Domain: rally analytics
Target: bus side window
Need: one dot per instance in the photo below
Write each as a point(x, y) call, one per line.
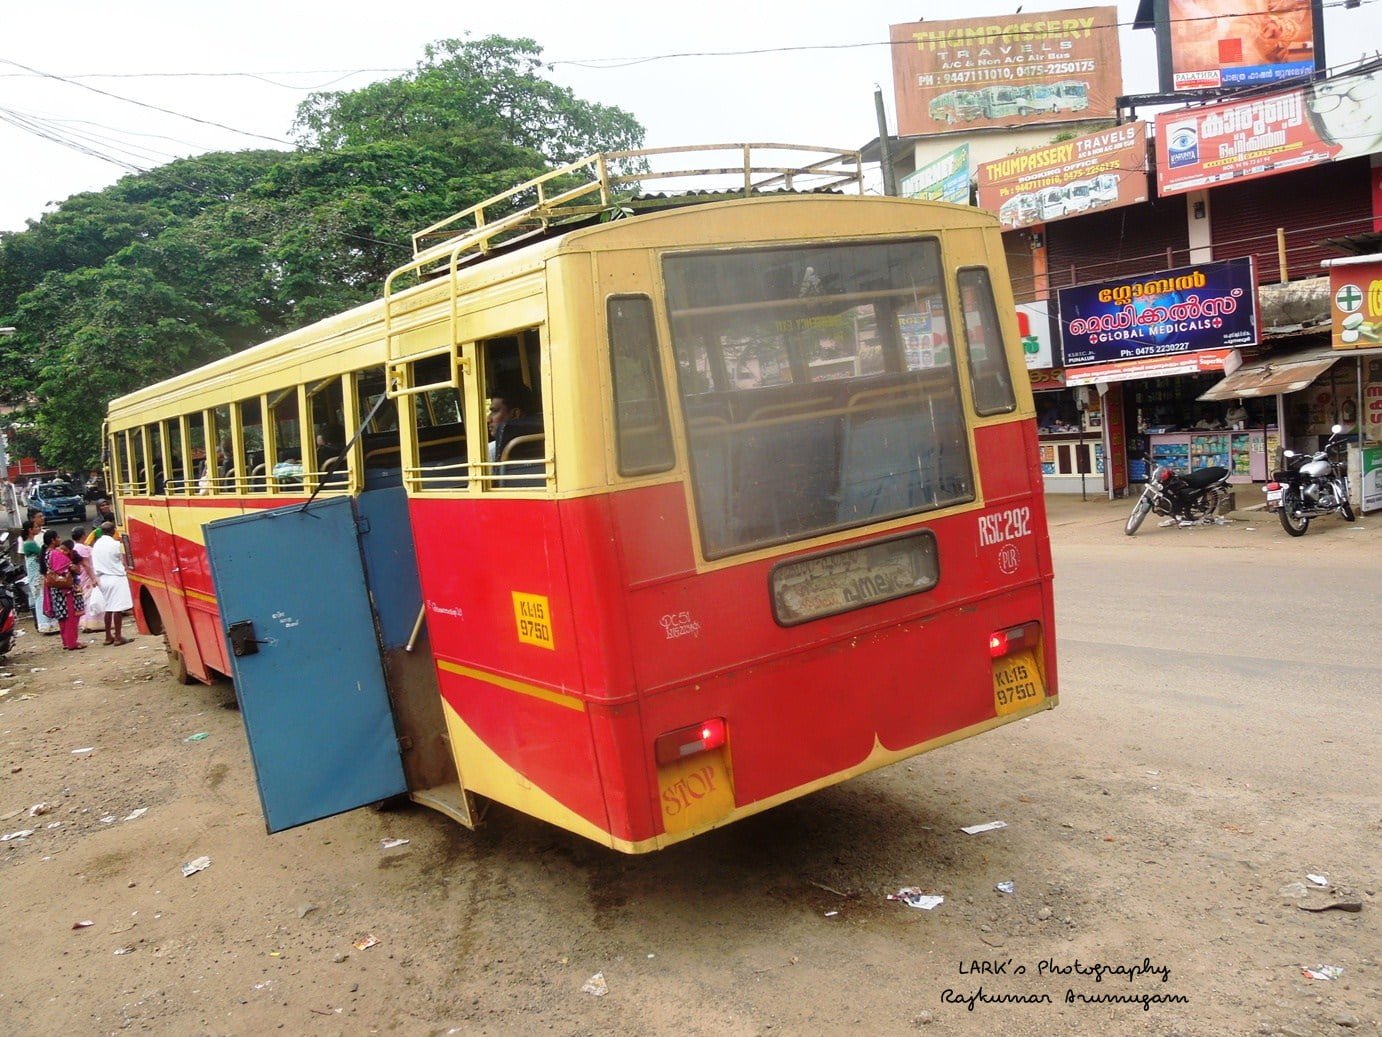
point(990, 379)
point(511, 365)
point(439, 422)
point(643, 434)
point(251, 465)
point(380, 439)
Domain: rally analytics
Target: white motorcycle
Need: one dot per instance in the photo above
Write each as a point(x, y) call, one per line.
point(1311, 485)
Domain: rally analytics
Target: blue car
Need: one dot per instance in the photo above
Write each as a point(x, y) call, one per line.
point(59, 502)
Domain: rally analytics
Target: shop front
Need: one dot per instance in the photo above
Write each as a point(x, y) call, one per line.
point(1137, 354)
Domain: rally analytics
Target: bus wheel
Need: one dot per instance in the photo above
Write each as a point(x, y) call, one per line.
point(177, 665)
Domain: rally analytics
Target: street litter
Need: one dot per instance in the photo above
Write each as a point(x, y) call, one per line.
point(912, 896)
point(39, 808)
point(127, 949)
point(364, 943)
point(192, 867)
point(389, 844)
point(1322, 972)
point(1353, 906)
point(596, 985)
point(991, 826)
point(828, 914)
point(84, 751)
point(199, 736)
point(108, 819)
point(83, 924)
point(1004, 887)
point(1318, 880)
point(23, 833)
point(135, 813)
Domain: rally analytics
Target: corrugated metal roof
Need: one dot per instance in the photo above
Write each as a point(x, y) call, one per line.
point(1270, 377)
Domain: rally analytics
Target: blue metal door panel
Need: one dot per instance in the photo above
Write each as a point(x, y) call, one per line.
point(311, 687)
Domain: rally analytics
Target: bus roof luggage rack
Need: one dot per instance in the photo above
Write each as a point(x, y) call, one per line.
point(608, 186)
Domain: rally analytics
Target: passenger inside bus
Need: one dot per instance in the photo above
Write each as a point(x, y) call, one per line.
point(507, 405)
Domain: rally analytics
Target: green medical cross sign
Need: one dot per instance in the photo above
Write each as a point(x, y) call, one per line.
point(1348, 298)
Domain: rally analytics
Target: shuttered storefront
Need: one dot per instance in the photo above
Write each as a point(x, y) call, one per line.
point(1122, 242)
point(1311, 204)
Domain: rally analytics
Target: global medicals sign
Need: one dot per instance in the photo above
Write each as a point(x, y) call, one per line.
point(1097, 171)
point(944, 180)
point(1006, 72)
point(1210, 306)
point(1327, 121)
point(1227, 44)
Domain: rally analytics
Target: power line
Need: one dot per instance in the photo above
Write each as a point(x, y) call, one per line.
point(142, 104)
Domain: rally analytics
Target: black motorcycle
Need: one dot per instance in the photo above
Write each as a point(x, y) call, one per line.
point(1187, 498)
point(13, 583)
point(1310, 486)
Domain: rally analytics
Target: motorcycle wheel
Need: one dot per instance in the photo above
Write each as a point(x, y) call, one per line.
point(1139, 512)
point(1346, 510)
point(1293, 523)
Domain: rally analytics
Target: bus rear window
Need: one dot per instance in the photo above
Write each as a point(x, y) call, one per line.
point(818, 389)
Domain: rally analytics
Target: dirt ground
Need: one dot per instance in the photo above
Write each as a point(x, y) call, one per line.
point(1161, 827)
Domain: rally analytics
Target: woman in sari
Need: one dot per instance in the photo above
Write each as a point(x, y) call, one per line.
point(94, 614)
point(61, 598)
point(33, 558)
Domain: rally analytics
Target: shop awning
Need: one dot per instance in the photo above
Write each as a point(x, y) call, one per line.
point(1288, 373)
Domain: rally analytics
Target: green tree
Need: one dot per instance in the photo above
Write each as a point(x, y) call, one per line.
point(206, 256)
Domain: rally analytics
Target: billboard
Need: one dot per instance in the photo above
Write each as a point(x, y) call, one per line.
point(1097, 171)
point(944, 180)
point(1355, 302)
point(1006, 72)
point(1327, 121)
point(1227, 44)
point(1153, 316)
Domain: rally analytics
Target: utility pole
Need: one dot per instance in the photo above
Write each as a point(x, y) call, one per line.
point(884, 154)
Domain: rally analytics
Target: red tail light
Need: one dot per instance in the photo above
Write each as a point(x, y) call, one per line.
point(1014, 639)
point(687, 741)
point(1273, 485)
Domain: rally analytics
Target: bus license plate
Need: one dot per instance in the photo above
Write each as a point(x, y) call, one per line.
point(1017, 683)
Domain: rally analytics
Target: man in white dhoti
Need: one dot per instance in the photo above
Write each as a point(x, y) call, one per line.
point(108, 559)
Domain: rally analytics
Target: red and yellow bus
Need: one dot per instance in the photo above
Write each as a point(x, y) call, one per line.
point(766, 511)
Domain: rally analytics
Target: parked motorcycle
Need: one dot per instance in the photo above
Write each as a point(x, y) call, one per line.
point(1188, 498)
point(1311, 485)
point(10, 572)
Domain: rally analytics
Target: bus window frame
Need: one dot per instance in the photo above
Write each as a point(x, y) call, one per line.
point(530, 345)
point(653, 369)
point(175, 478)
point(982, 271)
point(399, 385)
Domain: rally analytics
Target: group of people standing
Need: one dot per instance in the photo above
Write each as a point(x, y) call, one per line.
point(77, 581)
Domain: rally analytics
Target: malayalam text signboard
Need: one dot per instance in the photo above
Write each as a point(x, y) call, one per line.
point(1355, 302)
point(944, 180)
point(1006, 71)
point(1097, 171)
point(1228, 44)
point(1327, 121)
point(1166, 314)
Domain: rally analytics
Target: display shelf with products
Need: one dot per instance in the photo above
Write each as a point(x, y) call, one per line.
point(1244, 453)
point(1209, 450)
point(1171, 450)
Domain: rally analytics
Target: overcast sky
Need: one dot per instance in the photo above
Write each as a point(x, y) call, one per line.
point(809, 77)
